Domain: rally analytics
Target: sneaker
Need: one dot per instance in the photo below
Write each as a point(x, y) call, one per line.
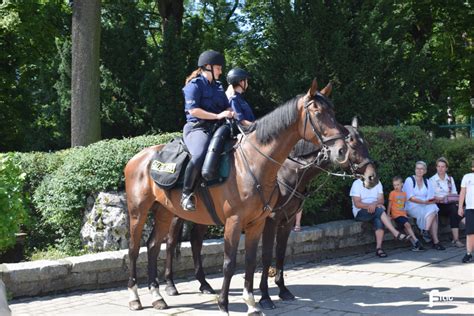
point(467, 258)
point(457, 244)
point(426, 236)
point(417, 247)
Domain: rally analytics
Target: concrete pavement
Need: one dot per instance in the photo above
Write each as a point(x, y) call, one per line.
point(347, 285)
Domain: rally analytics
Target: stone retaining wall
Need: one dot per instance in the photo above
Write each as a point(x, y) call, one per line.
point(108, 269)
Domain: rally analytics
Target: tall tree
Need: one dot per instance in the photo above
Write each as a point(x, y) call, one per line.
point(85, 101)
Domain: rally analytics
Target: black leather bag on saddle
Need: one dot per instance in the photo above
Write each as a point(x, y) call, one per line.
point(168, 164)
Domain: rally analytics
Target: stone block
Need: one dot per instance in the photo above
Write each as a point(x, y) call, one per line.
point(96, 262)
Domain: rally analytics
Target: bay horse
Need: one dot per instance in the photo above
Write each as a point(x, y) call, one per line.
point(305, 159)
point(242, 202)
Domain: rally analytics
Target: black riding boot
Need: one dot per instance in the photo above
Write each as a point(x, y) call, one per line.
point(190, 177)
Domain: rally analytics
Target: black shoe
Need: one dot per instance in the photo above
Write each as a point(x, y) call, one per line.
point(467, 258)
point(187, 202)
point(438, 246)
point(417, 247)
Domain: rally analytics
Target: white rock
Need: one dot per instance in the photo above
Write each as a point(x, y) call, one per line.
point(106, 222)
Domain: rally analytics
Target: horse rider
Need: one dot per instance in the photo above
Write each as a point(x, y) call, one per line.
point(205, 105)
point(237, 79)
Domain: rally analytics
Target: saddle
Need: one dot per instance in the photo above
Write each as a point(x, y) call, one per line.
point(168, 165)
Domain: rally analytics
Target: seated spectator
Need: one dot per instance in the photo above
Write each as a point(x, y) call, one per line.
point(368, 206)
point(421, 204)
point(396, 209)
point(443, 185)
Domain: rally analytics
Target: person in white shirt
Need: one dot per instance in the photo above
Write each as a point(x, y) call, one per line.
point(368, 206)
point(467, 193)
point(421, 204)
point(444, 185)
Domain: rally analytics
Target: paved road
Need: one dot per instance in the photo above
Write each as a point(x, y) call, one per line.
point(349, 285)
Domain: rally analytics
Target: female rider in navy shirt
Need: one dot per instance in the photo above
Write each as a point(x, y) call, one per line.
point(205, 105)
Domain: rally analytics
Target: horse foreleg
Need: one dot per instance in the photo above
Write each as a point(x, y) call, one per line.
point(160, 229)
point(138, 215)
point(173, 237)
point(283, 233)
point(231, 244)
point(197, 238)
point(268, 239)
point(252, 237)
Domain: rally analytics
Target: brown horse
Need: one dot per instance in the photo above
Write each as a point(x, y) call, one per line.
point(306, 160)
point(242, 203)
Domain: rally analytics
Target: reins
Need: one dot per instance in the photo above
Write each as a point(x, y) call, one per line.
point(322, 156)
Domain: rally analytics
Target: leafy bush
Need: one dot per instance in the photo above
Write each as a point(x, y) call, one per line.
point(459, 154)
point(35, 166)
point(61, 197)
point(12, 205)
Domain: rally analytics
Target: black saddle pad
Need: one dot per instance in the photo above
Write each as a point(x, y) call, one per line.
point(168, 165)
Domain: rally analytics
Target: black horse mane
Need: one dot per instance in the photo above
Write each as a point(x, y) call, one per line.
point(270, 126)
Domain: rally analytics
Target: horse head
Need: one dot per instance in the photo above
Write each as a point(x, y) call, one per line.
point(319, 125)
point(359, 161)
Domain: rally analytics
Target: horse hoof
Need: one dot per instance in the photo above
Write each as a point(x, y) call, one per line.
point(267, 303)
point(206, 289)
point(223, 311)
point(286, 296)
point(135, 305)
point(171, 290)
point(159, 304)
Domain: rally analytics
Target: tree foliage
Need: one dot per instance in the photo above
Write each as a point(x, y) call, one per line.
point(391, 62)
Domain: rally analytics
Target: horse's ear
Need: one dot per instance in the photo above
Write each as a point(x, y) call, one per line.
point(327, 89)
point(355, 122)
point(314, 89)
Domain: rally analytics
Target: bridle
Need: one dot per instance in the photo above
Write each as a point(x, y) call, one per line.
point(322, 156)
point(317, 162)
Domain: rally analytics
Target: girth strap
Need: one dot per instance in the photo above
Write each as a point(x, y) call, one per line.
point(207, 200)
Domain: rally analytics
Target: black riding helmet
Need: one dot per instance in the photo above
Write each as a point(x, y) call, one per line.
point(235, 75)
point(211, 57)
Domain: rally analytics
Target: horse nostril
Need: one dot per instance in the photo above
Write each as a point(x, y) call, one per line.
point(341, 152)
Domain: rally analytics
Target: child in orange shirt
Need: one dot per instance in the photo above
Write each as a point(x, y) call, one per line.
point(396, 209)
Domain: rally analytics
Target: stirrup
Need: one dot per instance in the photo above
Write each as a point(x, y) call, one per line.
point(187, 202)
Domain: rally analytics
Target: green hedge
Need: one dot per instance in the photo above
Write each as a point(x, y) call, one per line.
point(395, 149)
point(12, 203)
point(61, 182)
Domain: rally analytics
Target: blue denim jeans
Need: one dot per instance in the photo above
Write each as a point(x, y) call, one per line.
point(364, 216)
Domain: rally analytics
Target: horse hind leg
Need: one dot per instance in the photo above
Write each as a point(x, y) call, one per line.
point(171, 243)
point(161, 227)
point(283, 234)
point(197, 238)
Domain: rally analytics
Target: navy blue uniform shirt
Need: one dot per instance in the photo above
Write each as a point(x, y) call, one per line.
point(200, 93)
point(241, 108)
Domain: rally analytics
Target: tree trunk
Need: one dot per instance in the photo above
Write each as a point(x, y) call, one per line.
point(85, 102)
